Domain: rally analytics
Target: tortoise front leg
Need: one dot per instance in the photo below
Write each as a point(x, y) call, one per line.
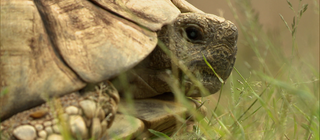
point(76, 115)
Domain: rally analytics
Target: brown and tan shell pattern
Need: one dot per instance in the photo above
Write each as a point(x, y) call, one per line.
point(50, 49)
point(55, 47)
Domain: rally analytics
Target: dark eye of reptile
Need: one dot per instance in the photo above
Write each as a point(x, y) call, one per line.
point(194, 33)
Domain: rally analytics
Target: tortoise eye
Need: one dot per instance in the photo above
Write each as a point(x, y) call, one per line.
point(194, 33)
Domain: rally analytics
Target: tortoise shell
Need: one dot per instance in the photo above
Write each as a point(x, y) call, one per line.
point(54, 47)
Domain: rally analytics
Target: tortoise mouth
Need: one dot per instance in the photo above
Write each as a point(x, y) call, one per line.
point(149, 83)
point(207, 78)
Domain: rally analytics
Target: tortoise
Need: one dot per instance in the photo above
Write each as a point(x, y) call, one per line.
point(54, 48)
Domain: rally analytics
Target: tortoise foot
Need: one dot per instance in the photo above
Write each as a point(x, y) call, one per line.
point(76, 115)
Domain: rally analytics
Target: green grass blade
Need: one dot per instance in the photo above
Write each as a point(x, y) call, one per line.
point(159, 134)
point(205, 60)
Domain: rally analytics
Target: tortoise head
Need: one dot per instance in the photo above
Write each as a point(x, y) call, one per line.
point(190, 38)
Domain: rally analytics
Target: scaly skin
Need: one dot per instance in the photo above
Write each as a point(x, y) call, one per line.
point(75, 112)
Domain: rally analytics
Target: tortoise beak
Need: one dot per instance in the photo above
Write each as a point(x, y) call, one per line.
point(220, 61)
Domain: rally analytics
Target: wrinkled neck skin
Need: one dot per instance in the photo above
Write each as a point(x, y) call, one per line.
point(189, 38)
